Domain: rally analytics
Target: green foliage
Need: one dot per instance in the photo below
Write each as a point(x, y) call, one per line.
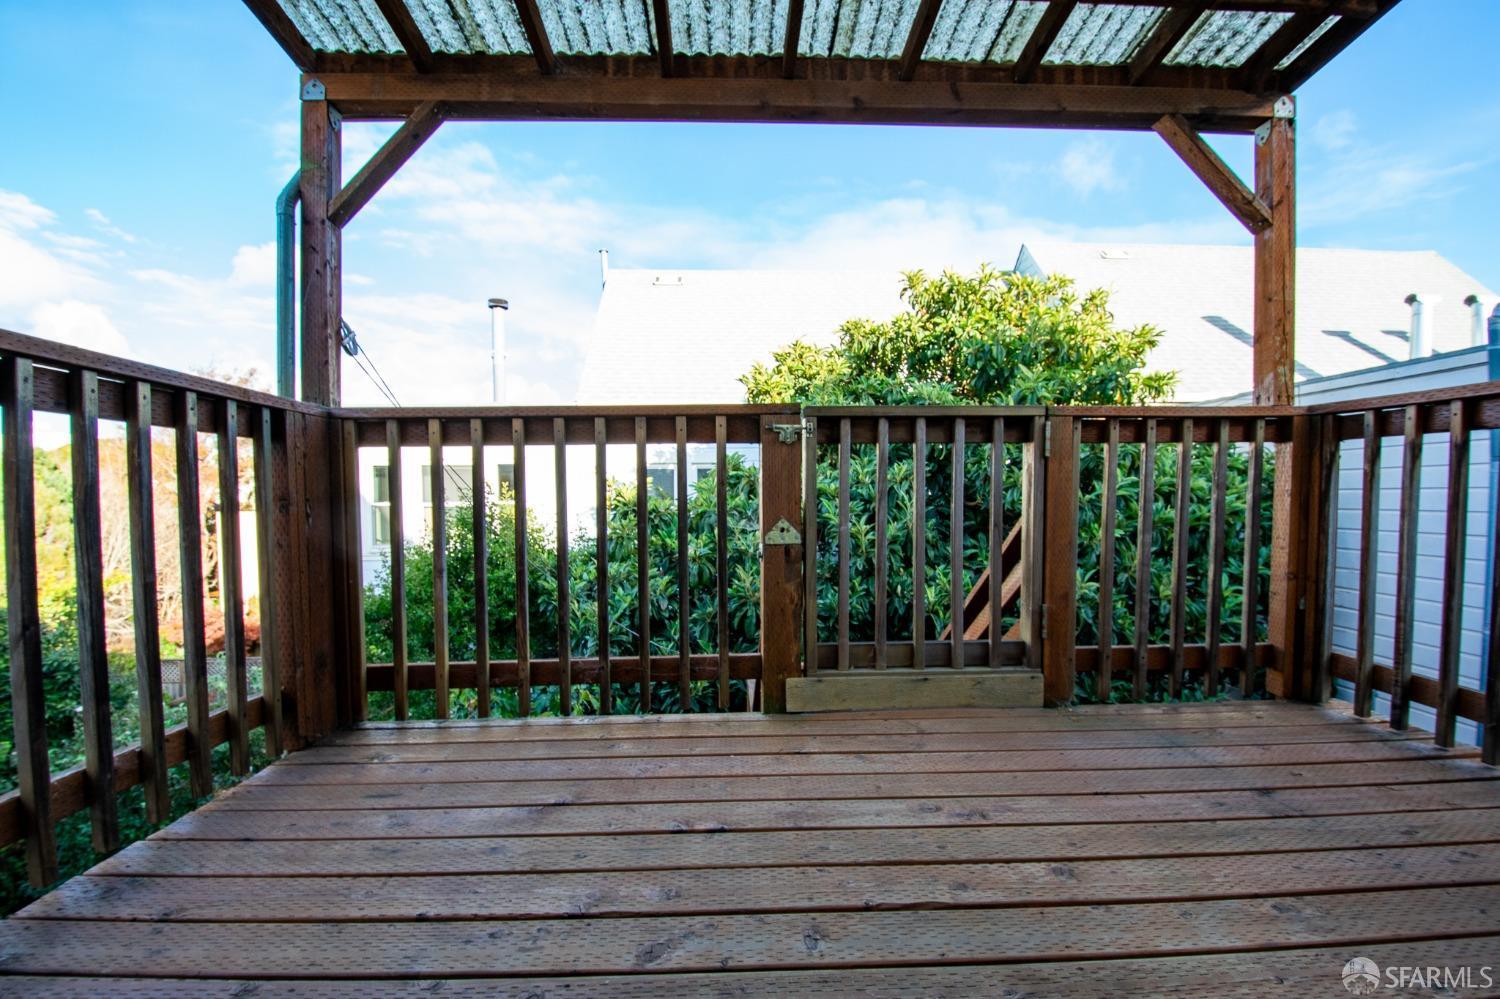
point(991, 339)
point(583, 590)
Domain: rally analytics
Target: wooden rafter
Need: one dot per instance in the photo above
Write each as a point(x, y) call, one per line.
point(1042, 37)
point(1256, 72)
point(416, 130)
point(486, 96)
point(536, 35)
point(663, 17)
point(1214, 172)
point(398, 16)
point(1329, 44)
point(1162, 40)
point(793, 42)
point(281, 28)
point(916, 40)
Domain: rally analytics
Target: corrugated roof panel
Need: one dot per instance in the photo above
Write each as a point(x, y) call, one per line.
point(982, 30)
point(470, 26)
point(598, 27)
point(1102, 34)
point(857, 29)
point(1226, 38)
point(342, 25)
point(727, 27)
point(1322, 29)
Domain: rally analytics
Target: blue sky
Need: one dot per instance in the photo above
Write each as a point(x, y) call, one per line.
point(136, 193)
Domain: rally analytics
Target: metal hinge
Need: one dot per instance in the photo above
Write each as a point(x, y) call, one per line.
point(1047, 439)
point(791, 433)
point(1043, 610)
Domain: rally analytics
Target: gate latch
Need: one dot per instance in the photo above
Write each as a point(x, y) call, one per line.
point(783, 533)
point(790, 433)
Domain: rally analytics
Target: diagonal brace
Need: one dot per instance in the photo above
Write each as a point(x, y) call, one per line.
point(1200, 157)
point(417, 129)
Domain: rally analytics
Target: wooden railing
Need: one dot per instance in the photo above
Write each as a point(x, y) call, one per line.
point(623, 650)
point(923, 438)
point(1445, 420)
point(1020, 601)
point(1097, 437)
point(140, 401)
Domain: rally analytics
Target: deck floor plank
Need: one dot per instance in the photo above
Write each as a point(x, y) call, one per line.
point(1242, 848)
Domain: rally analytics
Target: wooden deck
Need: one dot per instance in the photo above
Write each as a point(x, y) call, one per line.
point(1226, 849)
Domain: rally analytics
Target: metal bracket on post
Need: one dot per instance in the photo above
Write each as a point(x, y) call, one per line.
point(313, 90)
point(1047, 439)
point(1285, 107)
point(783, 533)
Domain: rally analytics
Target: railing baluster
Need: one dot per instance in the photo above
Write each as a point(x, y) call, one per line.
point(354, 589)
point(1104, 623)
point(1369, 541)
point(1454, 551)
point(997, 536)
point(601, 564)
point(480, 531)
point(721, 537)
point(230, 597)
point(1491, 727)
point(523, 581)
point(809, 541)
point(684, 595)
point(1406, 568)
point(1216, 537)
point(1180, 555)
point(564, 599)
point(28, 698)
point(190, 561)
point(1033, 507)
point(264, 449)
point(1250, 586)
point(882, 536)
point(956, 590)
point(919, 545)
point(437, 476)
point(93, 656)
point(643, 559)
point(1145, 525)
point(843, 541)
point(398, 568)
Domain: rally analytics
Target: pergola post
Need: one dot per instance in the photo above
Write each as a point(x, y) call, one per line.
point(322, 246)
point(1297, 563)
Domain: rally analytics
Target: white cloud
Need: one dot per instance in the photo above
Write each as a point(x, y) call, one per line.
point(104, 225)
point(81, 324)
point(1088, 166)
point(254, 265)
point(1333, 131)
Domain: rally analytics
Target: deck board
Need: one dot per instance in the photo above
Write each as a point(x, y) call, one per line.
point(1085, 852)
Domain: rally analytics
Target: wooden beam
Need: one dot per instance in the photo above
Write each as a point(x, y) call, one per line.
point(793, 42)
point(286, 34)
point(916, 40)
point(528, 96)
point(398, 15)
point(322, 252)
point(416, 130)
point(780, 569)
point(1276, 264)
point(1256, 73)
point(663, 17)
point(1162, 40)
point(1060, 561)
point(1214, 172)
point(1329, 44)
point(536, 35)
point(1042, 37)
